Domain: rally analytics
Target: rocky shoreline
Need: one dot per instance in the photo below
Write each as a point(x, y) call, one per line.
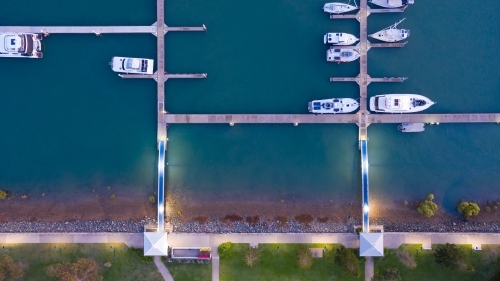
point(265, 226)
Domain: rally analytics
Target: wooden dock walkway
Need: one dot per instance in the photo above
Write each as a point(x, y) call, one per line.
point(368, 79)
point(154, 29)
point(330, 118)
point(80, 29)
point(165, 76)
point(386, 45)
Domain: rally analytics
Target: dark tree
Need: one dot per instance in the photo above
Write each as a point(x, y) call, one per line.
point(346, 259)
point(452, 257)
point(83, 269)
point(390, 274)
point(9, 270)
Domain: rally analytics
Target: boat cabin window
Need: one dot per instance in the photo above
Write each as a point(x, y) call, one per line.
point(396, 102)
point(337, 58)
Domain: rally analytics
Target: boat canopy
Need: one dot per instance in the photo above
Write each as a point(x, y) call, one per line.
point(396, 3)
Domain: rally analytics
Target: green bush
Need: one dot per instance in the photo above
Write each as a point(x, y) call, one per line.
point(140, 253)
point(152, 199)
point(3, 194)
point(224, 247)
point(427, 207)
point(346, 259)
point(468, 209)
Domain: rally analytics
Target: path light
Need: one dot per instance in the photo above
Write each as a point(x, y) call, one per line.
point(278, 249)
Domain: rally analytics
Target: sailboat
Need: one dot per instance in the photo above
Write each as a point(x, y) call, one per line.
point(391, 33)
point(339, 8)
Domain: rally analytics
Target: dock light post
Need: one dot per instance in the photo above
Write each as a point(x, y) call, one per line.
point(58, 249)
point(111, 249)
point(278, 249)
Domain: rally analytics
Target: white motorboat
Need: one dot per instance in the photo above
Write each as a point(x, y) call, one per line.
point(339, 8)
point(341, 55)
point(399, 103)
point(391, 3)
point(132, 65)
point(391, 33)
point(21, 45)
point(334, 105)
point(339, 39)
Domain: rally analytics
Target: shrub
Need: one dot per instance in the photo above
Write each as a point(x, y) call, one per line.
point(304, 218)
point(390, 274)
point(427, 207)
point(9, 270)
point(251, 256)
point(3, 194)
point(83, 269)
point(113, 196)
point(152, 199)
point(253, 220)
point(232, 218)
point(281, 220)
point(224, 247)
point(201, 220)
point(406, 258)
point(323, 219)
point(452, 257)
point(304, 257)
point(346, 259)
point(140, 253)
point(468, 209)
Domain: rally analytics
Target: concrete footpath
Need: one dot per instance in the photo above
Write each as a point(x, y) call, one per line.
point(163, 269)
point(130, 239)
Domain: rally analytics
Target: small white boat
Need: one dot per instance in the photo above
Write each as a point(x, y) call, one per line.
point(391, 3)
point(391, 33)
point(132, 65)
point(339, 8)
point(399, 103)
point(334, 105)
point(339, 39)
point(341, 55)
point(21, 45)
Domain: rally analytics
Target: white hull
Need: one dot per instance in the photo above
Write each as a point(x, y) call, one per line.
point(391, 35)
point(391, 3)
point(338, 8)
point(341, 55)
point(339, 39)
point(21, 45)
point(399, 103)
point(333, 106)
point(132, 65)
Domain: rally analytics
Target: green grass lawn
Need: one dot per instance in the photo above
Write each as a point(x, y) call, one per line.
point(485, 263)
point(124, 265)
point(190, 271)
point(274, 266)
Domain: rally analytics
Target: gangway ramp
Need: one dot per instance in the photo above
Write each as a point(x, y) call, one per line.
point(161, 186)
point(364, 183)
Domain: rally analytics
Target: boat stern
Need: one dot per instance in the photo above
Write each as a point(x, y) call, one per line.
point(309, 107)
point(372, 104)
point(150, 67)
point(325, 38)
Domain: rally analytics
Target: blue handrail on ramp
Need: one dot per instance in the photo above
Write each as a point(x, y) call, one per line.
point(161, 189)
point(365, 187)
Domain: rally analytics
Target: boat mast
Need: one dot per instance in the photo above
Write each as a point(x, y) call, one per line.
point(396, 24)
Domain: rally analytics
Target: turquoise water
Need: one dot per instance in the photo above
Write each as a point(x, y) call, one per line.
point(70, 122)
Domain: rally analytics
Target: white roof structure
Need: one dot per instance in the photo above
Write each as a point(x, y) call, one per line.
point(371, 244)
point(155, 244)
